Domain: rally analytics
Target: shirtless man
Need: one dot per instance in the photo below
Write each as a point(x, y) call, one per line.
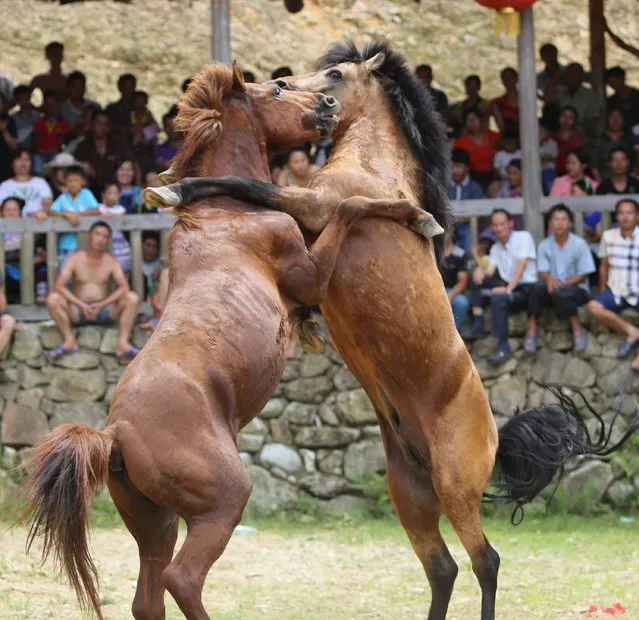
point(54, 79)
point(89, 301)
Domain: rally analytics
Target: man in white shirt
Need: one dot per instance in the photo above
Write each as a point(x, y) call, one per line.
point(619, 277)
point(511, 274)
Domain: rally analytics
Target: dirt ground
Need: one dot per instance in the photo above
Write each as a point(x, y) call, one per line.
point(353, 570)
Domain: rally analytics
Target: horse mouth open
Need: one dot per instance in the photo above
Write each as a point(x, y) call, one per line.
point(324, 116)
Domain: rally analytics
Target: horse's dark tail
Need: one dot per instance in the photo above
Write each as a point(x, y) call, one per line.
point(535, 445)
point(66, 470)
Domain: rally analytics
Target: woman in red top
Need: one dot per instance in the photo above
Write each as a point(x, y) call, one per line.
point(481, 144)
point(568, 138)
point(506, 108)
point(50, 131)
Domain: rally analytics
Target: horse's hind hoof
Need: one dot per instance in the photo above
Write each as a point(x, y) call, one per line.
point(309, 337)
point(162, 197)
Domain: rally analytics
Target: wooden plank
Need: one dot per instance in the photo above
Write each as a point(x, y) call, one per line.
point(579, 223)
point(118, 222)
point(474, 230)
point(27, 281)
point(52, 259)
point(606, 220)
point(136, 259)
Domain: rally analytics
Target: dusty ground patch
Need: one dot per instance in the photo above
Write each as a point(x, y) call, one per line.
point(550, 569)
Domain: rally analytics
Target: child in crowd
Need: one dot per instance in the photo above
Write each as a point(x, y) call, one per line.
point(548, 151)
point(75, 201)
point(49, 132)
point(120, 247)
point(511, 187)
point(509, 151)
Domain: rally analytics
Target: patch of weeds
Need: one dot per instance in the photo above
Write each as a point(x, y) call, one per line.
point(307, 505)
point(586, 503)
point(104, 512)
point(375, 487)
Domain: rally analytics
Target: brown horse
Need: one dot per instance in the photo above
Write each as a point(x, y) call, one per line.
point(390, 318)
point(236, 274)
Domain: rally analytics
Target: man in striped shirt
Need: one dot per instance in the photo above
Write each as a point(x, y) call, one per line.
point(619, 277)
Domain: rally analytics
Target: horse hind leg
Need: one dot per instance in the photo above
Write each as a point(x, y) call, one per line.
point(155, 531)
point(418, 509)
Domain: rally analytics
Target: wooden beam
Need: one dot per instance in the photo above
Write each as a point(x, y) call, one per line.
point(221, 30)
point(529, 127)
point(598, 61)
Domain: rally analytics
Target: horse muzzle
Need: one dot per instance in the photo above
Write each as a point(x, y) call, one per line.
point(324, 116)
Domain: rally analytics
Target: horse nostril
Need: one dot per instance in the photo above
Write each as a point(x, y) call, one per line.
point(282, 83)
point(331, 102)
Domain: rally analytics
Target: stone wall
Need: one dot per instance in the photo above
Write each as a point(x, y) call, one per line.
point(318, 437)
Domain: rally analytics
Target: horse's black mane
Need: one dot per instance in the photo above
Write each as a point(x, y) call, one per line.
point(417, 117)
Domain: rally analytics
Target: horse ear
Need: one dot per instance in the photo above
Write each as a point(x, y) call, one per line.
point(238, 78)
point(375, 62)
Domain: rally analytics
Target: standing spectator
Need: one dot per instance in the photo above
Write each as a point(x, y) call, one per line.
point(505, 109)
point(511, 274)
point(581, 98)
point(49, 132)
point(481, 145)
point(509, 151)
point(425, 74)
point(564, 262)
point(119, 112)
point(455, 270)
point(568, 138)
point(164, 152)
point(615, 136)
point(73, 107)
point(626, 98)
point(577, 167)
point(462, 187)
point(120, 247)
point(25, 118)
point(89, 301)
point(33, 190)
point(619, 181)
point(619, 277)
point(130, 191)
point(144, 130)
point(54, 79)
point(298, 169)
point(547, 82)
point(101, 151)
point(8, 140)
point(548, 152)
point(75, 201)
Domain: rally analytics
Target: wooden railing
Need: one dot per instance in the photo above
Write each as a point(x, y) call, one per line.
point(162, 223)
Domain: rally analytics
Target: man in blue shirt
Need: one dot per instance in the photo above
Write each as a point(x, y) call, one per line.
point(76, 201)
point(462, 187)
point(564, 262)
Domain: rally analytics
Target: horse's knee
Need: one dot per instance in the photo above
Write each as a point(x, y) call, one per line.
point(486, 567)
point(144, 610)
point(442, 571)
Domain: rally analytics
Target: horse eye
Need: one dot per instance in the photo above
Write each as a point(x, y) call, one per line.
point(278, 91)
point(335, 74)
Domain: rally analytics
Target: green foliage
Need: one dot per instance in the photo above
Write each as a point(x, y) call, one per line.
point(628, 458)
point(307, 505)
point(375, 487)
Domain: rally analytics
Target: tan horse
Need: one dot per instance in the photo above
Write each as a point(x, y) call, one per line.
point(390, 318)
point(236, 274)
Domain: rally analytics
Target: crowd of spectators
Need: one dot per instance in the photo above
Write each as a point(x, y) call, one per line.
point(72, 157)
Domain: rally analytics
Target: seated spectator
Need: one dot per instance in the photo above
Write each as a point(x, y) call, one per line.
point(298, 169)
point(579, 97)
point(425, 74)
point(54, 79)
point(8, 140)
point(564, 262)
point(455, 269)
point(152, 178)
point(34, 191)
point(109, 206)
point(505, 109)
point(461, 187)
point(72, 109)
point(88, 300)
point(25, 118)
point(509, 151)
point(130, 191)
point(615, 137)
point(281, 72)
point(101, 151)
point(144, 129)
point(619, 277)
point(577, 167)
point(481, 145)
point(151, 262)
point(548, 152)
point(164, 152)
point(510, 276)
point(158, 295)
point(619, 181)
point(119, 112)
point(568, 138)
point(511, 187)
point(625, 99)
point(592, 220)
point(49, 132)
point(75, 201)
point(456, 113)
point(7, 322)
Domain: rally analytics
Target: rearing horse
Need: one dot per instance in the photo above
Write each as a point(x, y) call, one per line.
point(390, 319)
point(237, 272)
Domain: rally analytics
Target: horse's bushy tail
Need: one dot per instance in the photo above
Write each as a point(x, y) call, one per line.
point(66, 470)
point(535, 445)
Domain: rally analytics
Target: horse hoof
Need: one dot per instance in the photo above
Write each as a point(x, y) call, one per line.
point(162, 197)
point(167, 177)
point(428, 227)
point(309, 337)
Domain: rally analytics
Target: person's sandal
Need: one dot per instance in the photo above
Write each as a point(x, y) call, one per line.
point(58, 352)
point(581, 342)
point(127, 356)
point(530, 345)
point(626, 348)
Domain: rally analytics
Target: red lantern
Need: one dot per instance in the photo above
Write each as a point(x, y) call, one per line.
point(507, 21)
